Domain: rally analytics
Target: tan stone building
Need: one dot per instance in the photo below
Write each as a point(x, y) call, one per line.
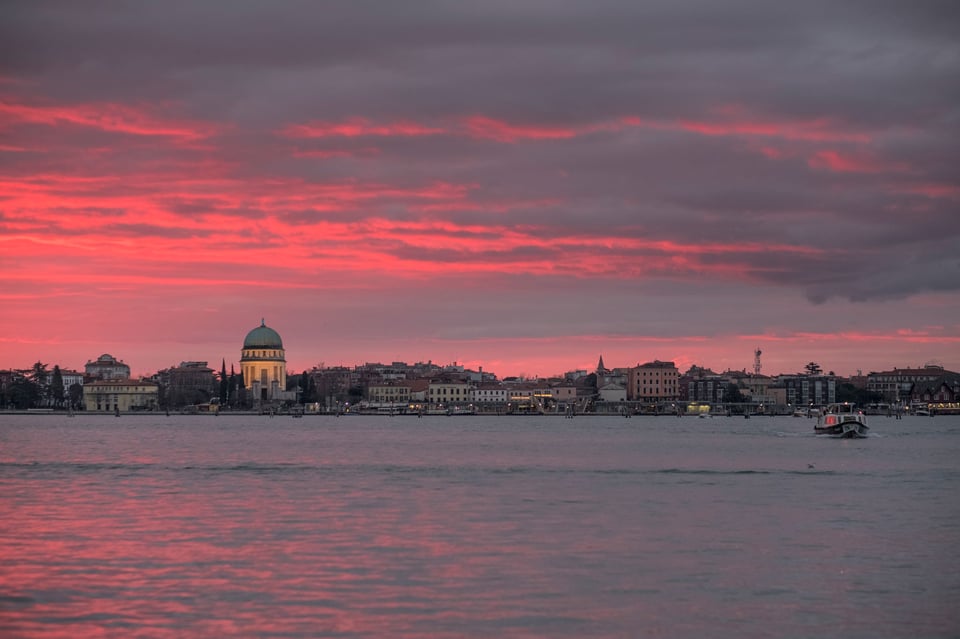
point(120, 395)
point(264, 364)
point(653, 381)
point(389, 392)
point(445, 391)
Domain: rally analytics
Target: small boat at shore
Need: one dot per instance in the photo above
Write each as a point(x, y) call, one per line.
point(842, 420)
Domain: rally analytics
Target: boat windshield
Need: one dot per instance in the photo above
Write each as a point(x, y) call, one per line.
point(842, 408)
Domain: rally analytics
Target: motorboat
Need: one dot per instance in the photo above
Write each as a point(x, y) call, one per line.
point(842, 420)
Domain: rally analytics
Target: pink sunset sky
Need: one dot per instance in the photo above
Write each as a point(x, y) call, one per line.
point(523, 186)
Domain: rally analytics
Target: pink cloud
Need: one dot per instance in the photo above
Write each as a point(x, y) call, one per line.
point(326, 154)
point(853, 163)
point(479, 126)
point(358, 127)
point(114, 117)
point(729, 121)
point(931, 190)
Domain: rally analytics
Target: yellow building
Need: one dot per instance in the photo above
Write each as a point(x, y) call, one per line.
point(120, 395)
point(444, 391)
point(389, 393)
point(264, 365)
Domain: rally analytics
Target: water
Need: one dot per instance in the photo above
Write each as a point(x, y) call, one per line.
point(244, 526)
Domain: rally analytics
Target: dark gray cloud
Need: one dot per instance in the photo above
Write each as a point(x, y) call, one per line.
point(550, 60)
point(826, 125)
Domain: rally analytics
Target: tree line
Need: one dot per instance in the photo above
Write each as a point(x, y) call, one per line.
point(40, 388)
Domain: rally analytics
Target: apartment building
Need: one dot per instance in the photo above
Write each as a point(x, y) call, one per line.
point(449, 390)
point(388, 392)
point(653, 381)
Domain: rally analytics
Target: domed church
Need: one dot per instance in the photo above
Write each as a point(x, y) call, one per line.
point(264, 365)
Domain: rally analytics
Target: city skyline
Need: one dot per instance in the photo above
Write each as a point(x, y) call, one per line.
point(608, 364)
point(520, 186)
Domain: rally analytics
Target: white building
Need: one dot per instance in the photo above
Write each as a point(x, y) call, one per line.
point(120, 395)
point(490, 394)
point(107, 367)
point(612, 393)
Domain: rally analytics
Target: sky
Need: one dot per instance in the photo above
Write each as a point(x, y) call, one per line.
point(521, 185)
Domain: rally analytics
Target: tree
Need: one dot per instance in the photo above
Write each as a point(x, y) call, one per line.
point(75, 393)
point(355, 394)
point(590, 381)
point(293, 381)
point(847, 392)
point(309, 389)
point(813, 369)
point(232, 388)
point(39, 377)
point(56, 389)
point(733, 395)
point(240, 390)
point(23, 393)
point(39, 373)
point(162, 395)
point(224, 383)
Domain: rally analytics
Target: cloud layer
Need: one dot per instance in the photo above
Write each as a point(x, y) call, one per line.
point(438, 179)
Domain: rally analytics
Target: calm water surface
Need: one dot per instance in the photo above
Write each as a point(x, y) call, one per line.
point(245, 526)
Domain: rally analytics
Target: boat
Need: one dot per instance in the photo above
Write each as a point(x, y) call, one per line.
point(842, 420)
point(920, 409)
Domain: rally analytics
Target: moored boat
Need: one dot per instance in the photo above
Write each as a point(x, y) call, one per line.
point(842, 420)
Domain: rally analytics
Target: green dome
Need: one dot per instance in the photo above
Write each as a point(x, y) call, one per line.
point(263, 337)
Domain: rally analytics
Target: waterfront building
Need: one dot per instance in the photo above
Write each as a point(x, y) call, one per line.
point(418, 390)
point(107, 367)
point(336, 385)
point(612, 393)
point(446, 390)
point(490, 394)
point(778, 395)
point(264, 364)
point(709, 389)
point(389, 392)
point(533, 396)
point(945, 389)
point(897, 385)
point(188, 384)
point(564, 392)
point(653, 381)
point(757, 388)
point(120, 395)
point(808, 390)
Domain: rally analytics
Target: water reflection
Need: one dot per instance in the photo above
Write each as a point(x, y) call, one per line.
point(376, 529)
